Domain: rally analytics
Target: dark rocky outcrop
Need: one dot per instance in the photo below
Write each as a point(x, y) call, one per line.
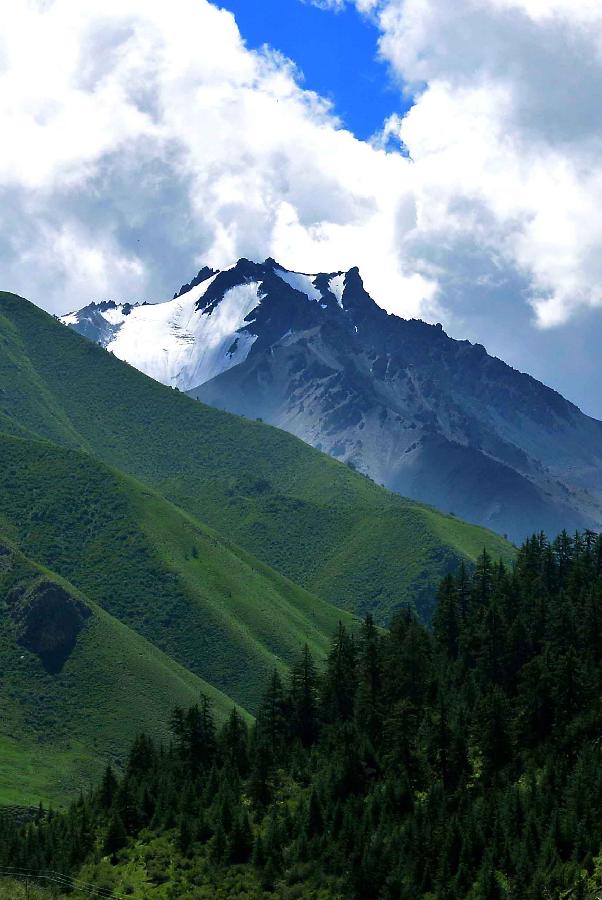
point(48, 621)
point(433, 418)
point(203, 275)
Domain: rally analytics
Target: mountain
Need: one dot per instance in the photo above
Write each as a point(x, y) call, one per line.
point(116, 607)
point(116, 604)
point(432, 418)
point(124, 510)
point(315, 521)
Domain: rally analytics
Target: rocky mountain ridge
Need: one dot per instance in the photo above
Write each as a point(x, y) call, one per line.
point(433, 418)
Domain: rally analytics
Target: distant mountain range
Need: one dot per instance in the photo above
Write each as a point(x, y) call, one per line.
point(432, 418)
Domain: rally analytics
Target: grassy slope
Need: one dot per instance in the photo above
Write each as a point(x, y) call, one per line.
point(57, 730)
point(216, 611)
point(311, 518)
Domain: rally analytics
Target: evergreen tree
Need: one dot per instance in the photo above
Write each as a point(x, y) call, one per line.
point(304, 699)
point(271, 727)
point(369, 693)
point(315, 821)
point(233, 742)
point(260, 787)
point(240, 841)
point(447, 617)
point(116, 836)
point(107, 791)
point(340, 679)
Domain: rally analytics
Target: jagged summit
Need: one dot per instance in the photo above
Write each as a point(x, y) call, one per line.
point(212, 322)
point(430, 417)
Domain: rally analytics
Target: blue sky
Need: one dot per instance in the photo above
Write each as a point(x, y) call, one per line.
point(337, 53)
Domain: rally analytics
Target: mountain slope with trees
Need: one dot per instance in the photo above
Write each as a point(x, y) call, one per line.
point(459, 763)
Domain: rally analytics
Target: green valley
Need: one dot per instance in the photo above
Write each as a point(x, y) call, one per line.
point(227, 618)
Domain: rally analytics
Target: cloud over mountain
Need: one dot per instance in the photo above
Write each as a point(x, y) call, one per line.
point(505, 135)
point(142, 136)
point(143, 139)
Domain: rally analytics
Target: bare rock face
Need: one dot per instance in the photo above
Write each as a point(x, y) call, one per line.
point(48, 621)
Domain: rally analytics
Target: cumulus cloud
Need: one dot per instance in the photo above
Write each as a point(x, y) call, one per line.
point(141, 139)
point(505, 136)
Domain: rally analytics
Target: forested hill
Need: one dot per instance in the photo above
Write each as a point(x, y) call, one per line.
point(462, 762)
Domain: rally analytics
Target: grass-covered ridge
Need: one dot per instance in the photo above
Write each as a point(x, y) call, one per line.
point(58, 727)
point(311, 518)
point(213, 609)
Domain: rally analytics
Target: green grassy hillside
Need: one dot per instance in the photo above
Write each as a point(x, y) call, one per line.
point(59, 727)
point(311, 518)
point(227, 618)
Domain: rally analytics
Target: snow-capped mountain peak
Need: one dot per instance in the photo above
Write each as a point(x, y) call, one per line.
point(207, 328)
point(432, 418)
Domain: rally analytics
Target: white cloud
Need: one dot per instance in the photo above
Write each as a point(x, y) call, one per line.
point(505, 136)
point(124, 119)
point(141, 139)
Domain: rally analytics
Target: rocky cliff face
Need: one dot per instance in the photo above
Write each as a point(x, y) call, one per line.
point(48, 621)
point(433, 418)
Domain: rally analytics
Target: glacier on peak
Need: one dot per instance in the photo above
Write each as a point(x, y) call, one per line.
point(180, 345)
point(336, 286)
point(205, 329)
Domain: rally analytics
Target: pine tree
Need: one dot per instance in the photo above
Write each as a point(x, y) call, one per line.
point(219, 847)
point(108, 788)
point(315, 821)
point(240, 841)
point(368, 700)
point(482, 582)
point(271, 726)
point(446, 620)
point(260, 788)
point(141, 757)
point(492, 730)
point(233, 742)
point(116, 836)
point(258, 857)
point(304, 699)
point(339, 684)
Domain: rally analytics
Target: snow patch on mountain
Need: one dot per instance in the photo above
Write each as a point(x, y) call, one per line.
point(114, 316)
point(337, 286)
point(70, 319)
point(178, 344)
point(300, 282)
